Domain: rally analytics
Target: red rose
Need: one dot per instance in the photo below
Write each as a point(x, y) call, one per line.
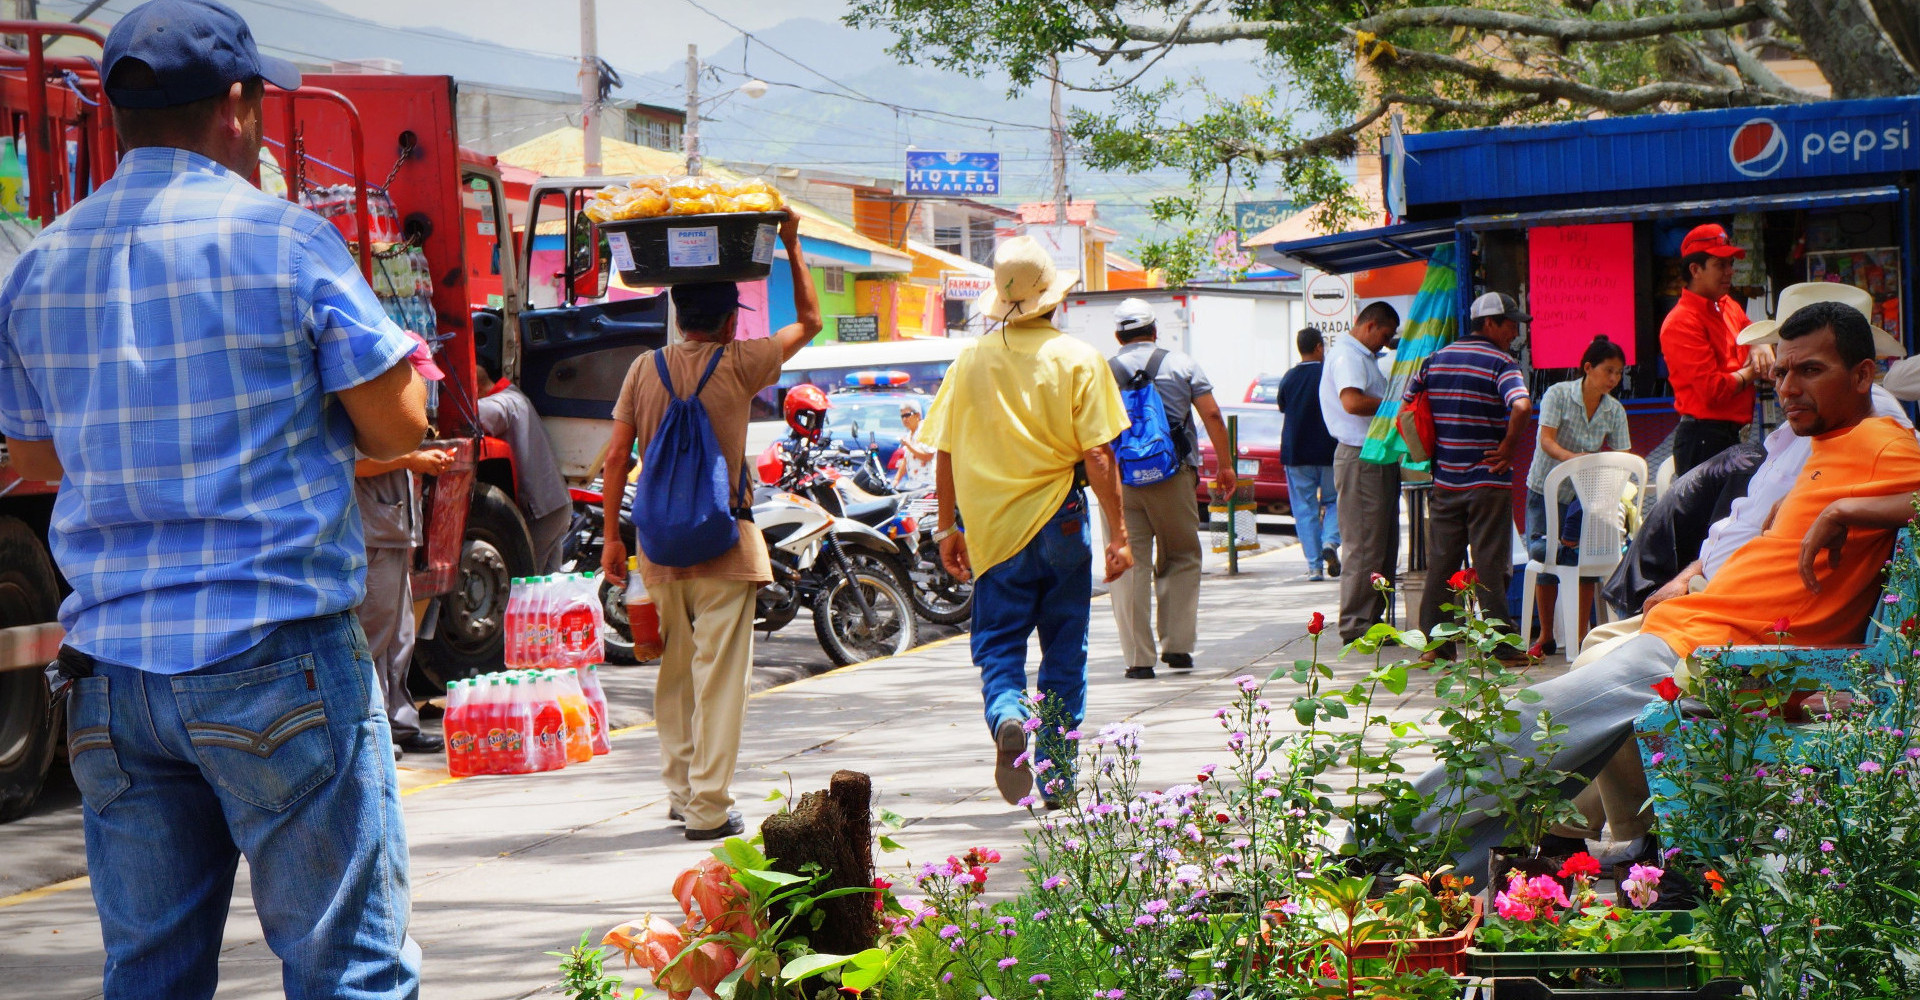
point(1316, 624)
point(1463, 580)
point(1222, 818)
point(979, 878)
point(1667, 689)
point(1781, 626)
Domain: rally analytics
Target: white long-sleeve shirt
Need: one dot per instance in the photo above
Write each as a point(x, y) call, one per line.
point(1786, 454)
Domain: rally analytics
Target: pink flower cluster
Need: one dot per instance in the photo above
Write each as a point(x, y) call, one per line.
point(1526, 899)
point(1642, 885)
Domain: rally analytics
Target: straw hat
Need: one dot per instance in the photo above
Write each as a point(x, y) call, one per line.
point(1025, 282)
point(1793, 298)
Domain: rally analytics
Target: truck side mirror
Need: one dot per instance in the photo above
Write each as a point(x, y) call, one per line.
point(588, 263)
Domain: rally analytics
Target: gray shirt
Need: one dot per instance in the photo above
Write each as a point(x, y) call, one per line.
point(509, 415)
point(389, 509)
point(1179, 380)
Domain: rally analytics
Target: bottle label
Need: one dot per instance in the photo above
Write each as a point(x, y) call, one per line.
point(461, 742)
point(576, 629)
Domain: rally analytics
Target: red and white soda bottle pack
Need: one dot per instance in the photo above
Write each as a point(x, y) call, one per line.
point(554, 622)
point(523, 721)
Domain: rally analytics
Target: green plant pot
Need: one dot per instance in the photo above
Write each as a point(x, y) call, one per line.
point(1534, 989)
point(1638, 969)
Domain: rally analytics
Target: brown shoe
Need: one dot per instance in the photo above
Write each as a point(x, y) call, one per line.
point(1009, 743)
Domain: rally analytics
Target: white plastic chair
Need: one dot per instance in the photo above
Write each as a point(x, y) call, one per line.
point(1662, 478)
point(1599, 481)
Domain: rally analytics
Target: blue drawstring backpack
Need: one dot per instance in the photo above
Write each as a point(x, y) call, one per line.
point(682, 513)
point(1146, 450)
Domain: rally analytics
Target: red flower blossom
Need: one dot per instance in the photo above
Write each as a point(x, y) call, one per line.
point(880, 887)
point(1463, 580)
point(1781, 626)
point(1715, 879)
point(1581, 865)
point(1667, 689)
point(1222, 818)
point(1316, 624)
point(979, 878)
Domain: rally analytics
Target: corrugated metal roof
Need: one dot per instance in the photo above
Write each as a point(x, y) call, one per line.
point(1361, 250)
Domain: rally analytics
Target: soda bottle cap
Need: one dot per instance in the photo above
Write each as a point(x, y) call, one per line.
point(633, 563)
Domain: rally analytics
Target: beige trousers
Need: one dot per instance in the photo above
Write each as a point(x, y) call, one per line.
point(700, 702)
point(1163, 530)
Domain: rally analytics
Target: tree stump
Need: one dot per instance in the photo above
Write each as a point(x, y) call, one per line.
point(831, 832)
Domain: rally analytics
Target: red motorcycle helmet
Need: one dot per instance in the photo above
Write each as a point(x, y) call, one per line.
point(806, 410)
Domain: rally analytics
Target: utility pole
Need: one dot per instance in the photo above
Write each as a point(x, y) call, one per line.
point(1059, 147)
point(589, 89)
point(691, 131)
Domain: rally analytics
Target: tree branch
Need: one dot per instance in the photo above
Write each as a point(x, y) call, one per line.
point(1562, 29)
point(1615, 101)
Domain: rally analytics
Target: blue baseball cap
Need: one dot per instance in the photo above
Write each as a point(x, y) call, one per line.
point(196, 49)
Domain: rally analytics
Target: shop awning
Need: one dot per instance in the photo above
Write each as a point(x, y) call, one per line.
point(1850, 198)
point(1361, 250)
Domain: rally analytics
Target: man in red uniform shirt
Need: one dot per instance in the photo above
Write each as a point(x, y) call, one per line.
point(1712, 375)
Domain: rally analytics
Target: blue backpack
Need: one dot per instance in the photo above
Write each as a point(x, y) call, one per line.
point(682, 512)
point(1147, 450)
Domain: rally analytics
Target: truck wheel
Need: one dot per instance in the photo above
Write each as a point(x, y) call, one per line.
point(471, 635)
point(28, 595)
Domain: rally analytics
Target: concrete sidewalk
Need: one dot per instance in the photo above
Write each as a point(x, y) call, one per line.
point(506, 868)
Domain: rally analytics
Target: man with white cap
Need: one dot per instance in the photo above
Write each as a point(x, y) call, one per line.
point(1163, 522)
point(1021, 409)
point(1712, 375)
point(196, 361)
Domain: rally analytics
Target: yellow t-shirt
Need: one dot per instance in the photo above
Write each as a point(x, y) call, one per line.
point(1018, 409)
point(1761, 582)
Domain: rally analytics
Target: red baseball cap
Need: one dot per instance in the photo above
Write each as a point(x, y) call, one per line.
point(1709, 239)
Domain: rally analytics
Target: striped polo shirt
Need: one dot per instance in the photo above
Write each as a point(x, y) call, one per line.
point(1471, 384)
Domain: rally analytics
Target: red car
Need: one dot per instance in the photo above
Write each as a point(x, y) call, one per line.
point(1259, 444)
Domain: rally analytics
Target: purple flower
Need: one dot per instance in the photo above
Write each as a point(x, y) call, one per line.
point(1073, 734)
point(1826, 847)
point(1009, 962)
point(1028, 801)
point(1155, 906)
point(1913, 753)
point(1053, 882)
point(1040, 916)
point(1144, 920)
point(946, 977)
point(949, 931)
point(1869, 767)
point(1246, 683)
point(1031, 723)
point(1657, 758)
point(1039, 977)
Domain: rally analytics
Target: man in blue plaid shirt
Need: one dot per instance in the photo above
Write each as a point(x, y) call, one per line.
point(195, 361)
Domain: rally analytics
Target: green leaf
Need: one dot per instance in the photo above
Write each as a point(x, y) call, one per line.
point(812, 965)
point(861, 979)
point(766, 879)
point(1395, 679)
point(774, 796)
point(1305, 709)
point(889, 844)
point(892, 820)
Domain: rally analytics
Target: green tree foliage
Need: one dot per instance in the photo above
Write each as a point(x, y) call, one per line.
point(1341, 67)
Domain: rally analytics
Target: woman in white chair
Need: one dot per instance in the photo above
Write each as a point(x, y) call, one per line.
point(1577, 417)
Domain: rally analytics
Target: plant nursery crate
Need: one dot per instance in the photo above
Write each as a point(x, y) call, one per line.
point(1447, 953)
point(1671, 969)
point(680, 249)
point(1526, 988)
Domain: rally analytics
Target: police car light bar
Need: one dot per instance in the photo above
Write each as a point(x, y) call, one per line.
point(871, 379)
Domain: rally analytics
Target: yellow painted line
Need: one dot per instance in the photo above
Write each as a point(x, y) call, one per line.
point(46, 890)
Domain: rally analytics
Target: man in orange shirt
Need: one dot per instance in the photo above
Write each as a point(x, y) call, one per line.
point(1712, 375)
point(1824, 377)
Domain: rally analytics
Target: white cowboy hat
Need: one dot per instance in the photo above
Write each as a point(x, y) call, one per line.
point(1025, 282)
point(1793, 298)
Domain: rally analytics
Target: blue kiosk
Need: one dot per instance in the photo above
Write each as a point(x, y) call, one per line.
point(1583, 221)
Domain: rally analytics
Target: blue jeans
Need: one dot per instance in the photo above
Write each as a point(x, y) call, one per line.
point(1567, 551)
point(281, 754)
point(1046, 586)
point(1316, 511)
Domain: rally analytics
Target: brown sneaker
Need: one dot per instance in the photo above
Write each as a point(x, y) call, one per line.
point(1009, 743)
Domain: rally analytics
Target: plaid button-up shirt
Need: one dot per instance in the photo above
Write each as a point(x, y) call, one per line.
point(176, 335)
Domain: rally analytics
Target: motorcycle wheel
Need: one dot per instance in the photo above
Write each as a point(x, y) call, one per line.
point(944, 600)
point(842, 629)
point(617, 637)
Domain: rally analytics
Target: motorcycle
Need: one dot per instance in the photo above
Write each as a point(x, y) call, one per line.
point(851, 484)
point(819, 560)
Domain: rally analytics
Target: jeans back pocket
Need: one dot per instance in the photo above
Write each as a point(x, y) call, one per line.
point(95, 765)
point(261, 734)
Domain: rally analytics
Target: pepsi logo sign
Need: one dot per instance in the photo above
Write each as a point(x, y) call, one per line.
point(1759, 147)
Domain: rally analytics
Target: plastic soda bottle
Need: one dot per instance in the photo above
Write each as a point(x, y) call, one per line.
point(642, 617)
point(579, 718)
point(511, 621)
point(487, 721)
point(459, 736)
point(597, 700)
point(540, 635)
point(577, 621)
point(549, 727)
point(516, 730)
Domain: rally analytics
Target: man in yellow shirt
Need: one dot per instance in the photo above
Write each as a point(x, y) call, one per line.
point(1824, 377)
point(1020, 409)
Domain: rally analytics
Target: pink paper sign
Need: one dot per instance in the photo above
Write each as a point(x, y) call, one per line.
point(1580, 285)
